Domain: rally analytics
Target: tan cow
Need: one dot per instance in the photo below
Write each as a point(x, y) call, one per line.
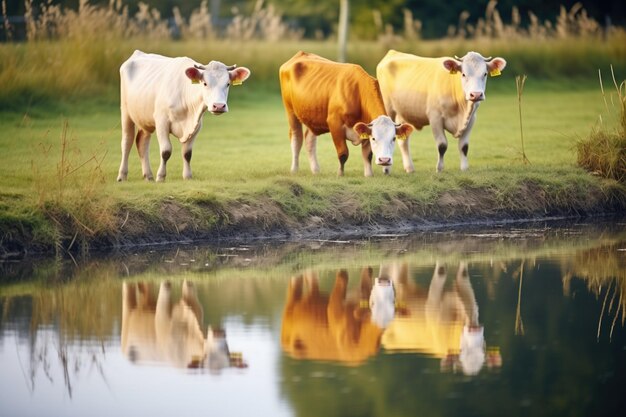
point(342, 99)
point(441, 92)
point(331, 327)
point(162, 331)
point(440, 322)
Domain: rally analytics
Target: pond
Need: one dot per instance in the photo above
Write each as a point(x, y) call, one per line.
point(508, 320)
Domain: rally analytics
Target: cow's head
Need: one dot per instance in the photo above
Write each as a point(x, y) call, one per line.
point(217, 354)
point(215, 79)
point(382, 133)
point(474, 69)
point(382, 302)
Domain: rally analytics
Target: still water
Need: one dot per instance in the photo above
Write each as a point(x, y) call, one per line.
point(506, 321)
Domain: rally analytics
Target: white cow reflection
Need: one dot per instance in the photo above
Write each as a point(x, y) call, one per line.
point(162, 331)
point(442, 322)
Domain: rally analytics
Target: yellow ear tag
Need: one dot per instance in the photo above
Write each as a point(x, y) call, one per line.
point(237, 82)
point(401, 137)
point(195, 82)
point(453, 71)
point(495, 72)
point(364, 136)
point(364, 304)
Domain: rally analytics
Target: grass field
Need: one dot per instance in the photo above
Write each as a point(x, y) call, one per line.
point(241, 164)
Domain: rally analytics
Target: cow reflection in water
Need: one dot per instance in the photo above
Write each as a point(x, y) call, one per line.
point(442, 322)
point(336, 327)
point(162, 331)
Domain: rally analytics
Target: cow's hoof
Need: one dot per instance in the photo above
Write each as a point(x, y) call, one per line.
point(160, 179)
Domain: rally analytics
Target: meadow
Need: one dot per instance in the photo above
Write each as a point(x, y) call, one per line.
point(60, 147)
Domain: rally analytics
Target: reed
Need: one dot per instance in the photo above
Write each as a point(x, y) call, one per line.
point(519, 83)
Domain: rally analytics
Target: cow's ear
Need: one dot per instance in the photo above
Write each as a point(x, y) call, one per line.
point(403, 131)
point(239, 75)
point(194, 75)
point(495, 66)
point(363, 130)
point(452, 65)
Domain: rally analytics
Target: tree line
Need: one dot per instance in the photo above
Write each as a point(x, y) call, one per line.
point(319, 18)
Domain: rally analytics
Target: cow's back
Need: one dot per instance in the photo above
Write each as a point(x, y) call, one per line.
point(413, 86)
point(312, 87)
point(148, 81)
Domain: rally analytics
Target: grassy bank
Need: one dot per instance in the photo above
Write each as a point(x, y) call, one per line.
point(60, 160)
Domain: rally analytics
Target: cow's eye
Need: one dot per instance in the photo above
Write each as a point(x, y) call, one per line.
point(373, 138)
point(485, 75)
point(204, 82)
point(463, 74)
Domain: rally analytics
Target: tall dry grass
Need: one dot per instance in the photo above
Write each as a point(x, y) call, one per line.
point(72, 194)
point(603, 152)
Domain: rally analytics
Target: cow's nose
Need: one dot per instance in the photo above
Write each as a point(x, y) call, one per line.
point(218, 108)
point(476, 96)
point(382, 160)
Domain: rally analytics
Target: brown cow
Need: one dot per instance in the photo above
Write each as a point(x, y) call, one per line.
point(322, 327)
point(342, 99)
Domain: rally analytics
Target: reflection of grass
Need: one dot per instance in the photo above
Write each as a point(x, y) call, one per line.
point(604, 269)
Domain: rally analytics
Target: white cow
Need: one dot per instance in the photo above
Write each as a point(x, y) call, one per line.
point(441, 92)
point(169, 95)
point(159, 330)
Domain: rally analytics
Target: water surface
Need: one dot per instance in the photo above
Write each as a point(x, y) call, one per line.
point(505, 321)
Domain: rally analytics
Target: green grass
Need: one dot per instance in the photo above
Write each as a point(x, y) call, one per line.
point(241, 160)
point(244, 158)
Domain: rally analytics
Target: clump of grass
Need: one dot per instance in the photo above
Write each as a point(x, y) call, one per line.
point(603, 152)
point(72, 195)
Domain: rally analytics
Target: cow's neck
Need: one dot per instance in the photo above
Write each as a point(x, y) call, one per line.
point(371, 101)
point(467, 110)
point(196, 107)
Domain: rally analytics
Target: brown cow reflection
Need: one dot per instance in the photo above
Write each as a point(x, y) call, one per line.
point(442, 322)
point(162, 331)
point(335, 327)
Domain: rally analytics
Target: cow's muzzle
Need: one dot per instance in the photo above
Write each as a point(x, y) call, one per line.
point(219, 108)
point(384, 161)
point(476, 96)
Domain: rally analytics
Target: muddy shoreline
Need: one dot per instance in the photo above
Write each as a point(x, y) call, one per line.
point(265, 219)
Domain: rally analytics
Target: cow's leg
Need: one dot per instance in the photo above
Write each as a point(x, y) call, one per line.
point(435, 290)
point(190, 297)
point(311, 148)
point(441, 140)
point(466, 295)
point(407, 161)
point(464, 144)
point(295, 136)
point(337, 297)
point(366, 151)
point(165, 148)
point(338, 134)
point(186, 150)
point(128, 136)
point(143, 148)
